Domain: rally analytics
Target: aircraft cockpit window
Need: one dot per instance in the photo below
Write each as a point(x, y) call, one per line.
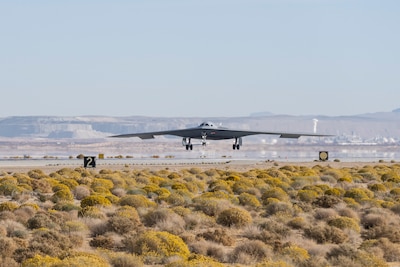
point(207, 124)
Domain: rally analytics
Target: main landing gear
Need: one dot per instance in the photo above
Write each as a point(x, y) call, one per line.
point(237, 144)
point(187, 143)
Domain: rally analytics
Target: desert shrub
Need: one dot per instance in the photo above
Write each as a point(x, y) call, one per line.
point(73, 226)
point(344, 223)
point(44, 220)
point(196, 260)
point(325, 234)
point(8, 189)
point(390, 232)
point(391, 176)
point(66, 206)
point(373, 220)
point(234, 217)
point(328, 179)
point(45, 242)
point(241, 186)
point(155, 216)
point(58, 186)
point(274, 227)
point(347, 212)
point(83, 259)
point(175, 224)
point(174, 199)
point(359, 194)
point(156, 246)
point(91, 212)
point(136, 201)
point(120, 259)
point(119, 192)
point(377, 187)
point(104, 183)
point(95, 200)
point(347, 255)
point(162, 192)
point(102, 241)
point(325, 214)
point(150, 188)
point(297, 223)
point(208, 249)
point(391, 251)
point(113, 199)
point(81, 191)
point(37, 174)
point(336, 191)
point(295, 254)
point(249, 200)
point(351, 202)
point(41, 186)
point(307, 195)
point(62, 195)
point(179, 186)
point(14, 229)
point(181, 211)
point(197, 220)
point(326, 201)
point(220, 185)
point(209, 206)
point(9, 262)
point(7, 215)
point(220, 195)
point(277, 207)
point(396, 209)
point(276, 193)
point(126, 219)
point(100, 190)
point(69, 182)
point(39, 260)
point(220, 236)
point(7, 247)
point(8, 206)
point(250, 252)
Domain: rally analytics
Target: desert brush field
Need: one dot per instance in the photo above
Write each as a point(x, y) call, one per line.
point(279, 215)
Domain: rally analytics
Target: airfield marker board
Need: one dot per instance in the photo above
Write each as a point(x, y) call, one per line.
point(323, 155)
point(89, 162)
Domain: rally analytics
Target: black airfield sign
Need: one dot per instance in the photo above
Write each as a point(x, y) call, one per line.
point(89, 162)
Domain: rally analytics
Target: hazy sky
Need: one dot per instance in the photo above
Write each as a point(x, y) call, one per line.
point(203, 58)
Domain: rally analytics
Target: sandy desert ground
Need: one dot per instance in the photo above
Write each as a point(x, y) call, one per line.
point(49, 166)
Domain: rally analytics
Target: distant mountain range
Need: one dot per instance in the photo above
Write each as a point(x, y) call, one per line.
point(371, 126)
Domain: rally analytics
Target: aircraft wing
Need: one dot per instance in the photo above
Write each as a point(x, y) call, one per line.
point(208, 131)
point(239, 133)
point(215, 134)
point(150, 135)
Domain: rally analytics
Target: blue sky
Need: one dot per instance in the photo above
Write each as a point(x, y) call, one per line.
point(204, 58)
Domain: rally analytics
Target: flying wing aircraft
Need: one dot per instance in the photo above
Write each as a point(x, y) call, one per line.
point(207, 130)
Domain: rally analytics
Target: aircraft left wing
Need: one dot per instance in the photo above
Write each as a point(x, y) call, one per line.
point(150, 135)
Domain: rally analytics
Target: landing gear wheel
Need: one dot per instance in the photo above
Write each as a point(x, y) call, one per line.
point(191, 147)
point(237, 147)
